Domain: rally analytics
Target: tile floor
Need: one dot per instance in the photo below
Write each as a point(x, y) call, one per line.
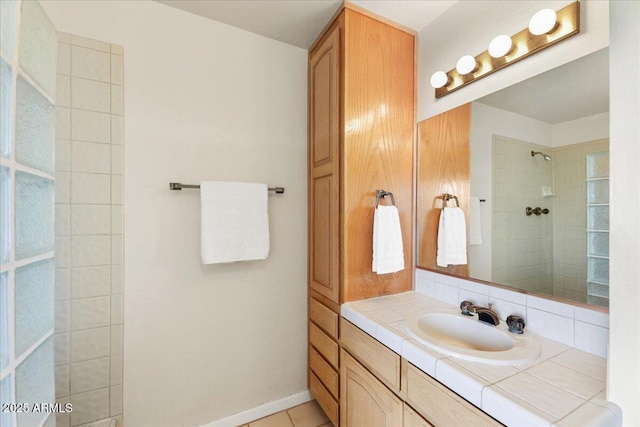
point(306, 415)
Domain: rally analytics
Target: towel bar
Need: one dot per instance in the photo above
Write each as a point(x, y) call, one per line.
point(180, 186)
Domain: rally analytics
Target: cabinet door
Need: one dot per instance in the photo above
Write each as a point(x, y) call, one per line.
point(413, 419)
point(324, 144)
point(365, 401)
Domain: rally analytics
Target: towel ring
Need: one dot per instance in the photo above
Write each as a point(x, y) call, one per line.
point(383, 194)
point(446, 197)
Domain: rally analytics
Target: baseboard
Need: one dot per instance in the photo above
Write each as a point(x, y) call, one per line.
point(262, 411)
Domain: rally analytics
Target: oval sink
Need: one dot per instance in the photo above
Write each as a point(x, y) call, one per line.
point(465, 337)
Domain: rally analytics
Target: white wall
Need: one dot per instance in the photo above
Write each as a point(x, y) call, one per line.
point(624, 347)
point(581, 130)
point(469, 26)
point(485, 122)
point(205, 101)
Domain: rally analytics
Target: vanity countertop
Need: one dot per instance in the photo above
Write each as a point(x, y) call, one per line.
point(563, 387)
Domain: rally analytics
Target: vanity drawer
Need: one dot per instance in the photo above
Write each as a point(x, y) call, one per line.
point(324, 317)
point(439, 405)
point(382, 361)
point(325, 373)
point(328, 404)
point(324, 344)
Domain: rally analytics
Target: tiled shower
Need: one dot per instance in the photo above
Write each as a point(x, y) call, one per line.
point(89, 230)
point(563, 253)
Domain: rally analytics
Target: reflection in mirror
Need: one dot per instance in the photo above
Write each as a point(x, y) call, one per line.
point(539, 160)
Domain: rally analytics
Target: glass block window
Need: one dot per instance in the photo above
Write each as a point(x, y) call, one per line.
point(598, 228)
point(35, 132)
point(35, 382)
point(27, 146)
point(38, 46)
point(6, 396)
point(4, 320)
point(33, 303)
point(8, 28)
point(5, 210)
point(6, 101)
point(34, 215)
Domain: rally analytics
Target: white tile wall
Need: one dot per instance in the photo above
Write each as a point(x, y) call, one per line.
point(579, 327)
point(89, 282)
point(90, 188)
point(90, 157)
point(90, 406)
point(89, 126)
point(90, 95)
point(90, 250)
point(90, 64)
point(89, 375)
point(90, 344)
point(63, 155)
point(62, 284)
point(90, 313)
point(89, 227)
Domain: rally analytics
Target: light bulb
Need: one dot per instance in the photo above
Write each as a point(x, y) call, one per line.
point(542, 22)
point(439, 79)
point(467, 64)
point(500, 46)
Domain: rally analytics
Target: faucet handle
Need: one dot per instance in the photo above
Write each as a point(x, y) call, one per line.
point(467, 308)
point(516, 324)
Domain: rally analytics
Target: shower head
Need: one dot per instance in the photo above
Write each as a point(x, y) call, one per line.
point(546, 157)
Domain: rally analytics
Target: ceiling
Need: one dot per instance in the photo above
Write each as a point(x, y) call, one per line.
point(575, 90)
point(300, 22)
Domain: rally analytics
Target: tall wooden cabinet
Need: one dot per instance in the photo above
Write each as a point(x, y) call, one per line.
point(361, 139)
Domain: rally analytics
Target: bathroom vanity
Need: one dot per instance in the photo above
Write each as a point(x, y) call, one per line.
point(393, 379)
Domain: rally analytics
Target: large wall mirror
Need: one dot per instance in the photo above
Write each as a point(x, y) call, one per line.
point(537, 195)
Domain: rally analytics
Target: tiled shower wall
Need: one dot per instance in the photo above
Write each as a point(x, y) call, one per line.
point(570, 218)
point(89, 233)
point(521, 245)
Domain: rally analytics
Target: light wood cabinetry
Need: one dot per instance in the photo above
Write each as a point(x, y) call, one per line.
point(375, 356)
point(361, 139)
point(413, 419)
point(364, 392)
point(438, 404)
point(366, 402)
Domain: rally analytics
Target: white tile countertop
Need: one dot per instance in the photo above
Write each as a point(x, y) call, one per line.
point(563, 387)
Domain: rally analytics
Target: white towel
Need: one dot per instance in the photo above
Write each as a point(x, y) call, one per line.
point(475, 227)
point(452, 238)
point(388, 254)
point(234, 222)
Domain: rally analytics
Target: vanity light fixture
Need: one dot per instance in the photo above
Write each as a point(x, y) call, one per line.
point(500, 46)
point(543, 22)
point(545, 29)
point(440, 79)
point(467, 65)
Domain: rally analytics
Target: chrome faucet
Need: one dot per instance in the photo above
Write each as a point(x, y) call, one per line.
point(485, 314)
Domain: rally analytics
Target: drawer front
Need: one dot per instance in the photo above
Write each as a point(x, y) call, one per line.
point(376, 357)
point(324, 317)
point(328, 404)
point(325, 373)
point(439, 405)
point(324, 344)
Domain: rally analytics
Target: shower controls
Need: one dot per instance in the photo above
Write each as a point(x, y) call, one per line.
point(536, 211)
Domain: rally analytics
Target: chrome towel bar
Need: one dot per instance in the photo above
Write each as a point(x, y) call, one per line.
point(180, 186)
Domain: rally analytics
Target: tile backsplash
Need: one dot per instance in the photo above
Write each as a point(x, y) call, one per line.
point(578, 327)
